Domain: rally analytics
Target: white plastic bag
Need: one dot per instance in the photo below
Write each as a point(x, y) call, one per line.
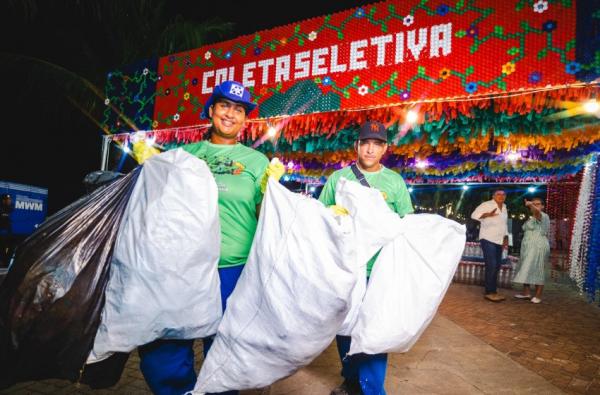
point(294, 292)
point(407, 284)
point(164, 281)
point(378, 228)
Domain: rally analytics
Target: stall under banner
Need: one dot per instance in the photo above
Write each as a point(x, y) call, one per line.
point(381, 54)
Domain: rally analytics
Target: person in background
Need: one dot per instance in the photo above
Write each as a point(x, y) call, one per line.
point(6, 237)
point(365, 373)
point(535, 251)
point(493, 236)
point(241, 175)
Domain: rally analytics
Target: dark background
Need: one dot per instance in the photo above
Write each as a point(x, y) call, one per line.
point(50, 48)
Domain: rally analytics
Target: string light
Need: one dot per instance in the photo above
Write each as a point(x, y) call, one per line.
point(591, 106)
point(421, 164)
point(411, 117)
point(410, 189)
point(271, 131)
point(465, 187)
point(512, 156)
point(531, 189)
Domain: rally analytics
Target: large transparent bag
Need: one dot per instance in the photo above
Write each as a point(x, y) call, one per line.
point(164, 281)
point(407, 284)
point(295, 290)
point(53, 295)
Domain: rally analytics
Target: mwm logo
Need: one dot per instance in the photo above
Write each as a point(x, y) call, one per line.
point(29, 205)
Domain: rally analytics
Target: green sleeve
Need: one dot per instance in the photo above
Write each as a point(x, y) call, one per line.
point(327, 196)
point(403, 205)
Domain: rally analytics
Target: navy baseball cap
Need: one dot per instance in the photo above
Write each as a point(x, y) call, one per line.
point(230, 90)
point(372, 130)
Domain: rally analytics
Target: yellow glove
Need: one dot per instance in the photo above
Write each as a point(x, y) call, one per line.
point(339, 210)
point(276, 169)
point(142, 151)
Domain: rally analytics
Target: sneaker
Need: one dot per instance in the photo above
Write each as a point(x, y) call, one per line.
point(536, 300)
point(348, 387)
point(521, 296)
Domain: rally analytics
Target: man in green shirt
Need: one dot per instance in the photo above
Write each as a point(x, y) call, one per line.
point(241, 174)
point(365, 373)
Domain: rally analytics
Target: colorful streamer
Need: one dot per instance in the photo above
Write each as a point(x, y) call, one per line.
point(578, 255)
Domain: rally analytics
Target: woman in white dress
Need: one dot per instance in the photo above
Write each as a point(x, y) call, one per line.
point(535, 251)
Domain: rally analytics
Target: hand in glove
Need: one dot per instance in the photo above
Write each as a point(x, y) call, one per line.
point(339, 210)
point(276, 169)
point(142, 151)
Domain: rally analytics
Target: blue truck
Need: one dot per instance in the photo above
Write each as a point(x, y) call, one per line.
point(30, 206)
point(24, 208)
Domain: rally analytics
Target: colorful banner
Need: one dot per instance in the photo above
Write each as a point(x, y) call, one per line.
point(380, 54)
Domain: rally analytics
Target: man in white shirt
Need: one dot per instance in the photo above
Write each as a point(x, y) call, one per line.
point(493, 236)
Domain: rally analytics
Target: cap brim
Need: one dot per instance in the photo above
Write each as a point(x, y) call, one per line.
point(372, 136)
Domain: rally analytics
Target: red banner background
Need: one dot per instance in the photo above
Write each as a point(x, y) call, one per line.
point(485, 46)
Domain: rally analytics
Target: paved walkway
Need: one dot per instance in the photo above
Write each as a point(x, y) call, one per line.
point(558, 339)
point(472, 347)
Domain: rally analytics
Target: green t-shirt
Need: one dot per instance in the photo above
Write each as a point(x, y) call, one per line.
point(238, 170)
point(388, 182)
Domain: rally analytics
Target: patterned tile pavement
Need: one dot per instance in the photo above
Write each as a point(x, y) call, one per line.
point(559, 339)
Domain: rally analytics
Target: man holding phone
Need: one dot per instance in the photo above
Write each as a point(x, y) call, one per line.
point(493, 236)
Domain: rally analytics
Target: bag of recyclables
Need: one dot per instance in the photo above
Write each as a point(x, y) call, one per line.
point(296, 287)
point(164, 281)
point(407, 284)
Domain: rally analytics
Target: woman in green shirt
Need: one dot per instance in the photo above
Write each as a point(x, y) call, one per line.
point(240, 173)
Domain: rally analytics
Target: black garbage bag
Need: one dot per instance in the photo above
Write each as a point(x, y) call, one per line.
point(98, 178)
point(53, 295)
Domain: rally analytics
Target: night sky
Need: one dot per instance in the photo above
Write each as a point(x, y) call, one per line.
point(46, 140)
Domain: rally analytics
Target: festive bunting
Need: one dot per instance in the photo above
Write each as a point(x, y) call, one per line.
point(592, 277)
point(578, 255)
point(484, 77)
point(466, 135)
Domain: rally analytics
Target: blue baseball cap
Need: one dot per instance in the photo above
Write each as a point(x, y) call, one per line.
point(230, 90)
point(372, 130)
